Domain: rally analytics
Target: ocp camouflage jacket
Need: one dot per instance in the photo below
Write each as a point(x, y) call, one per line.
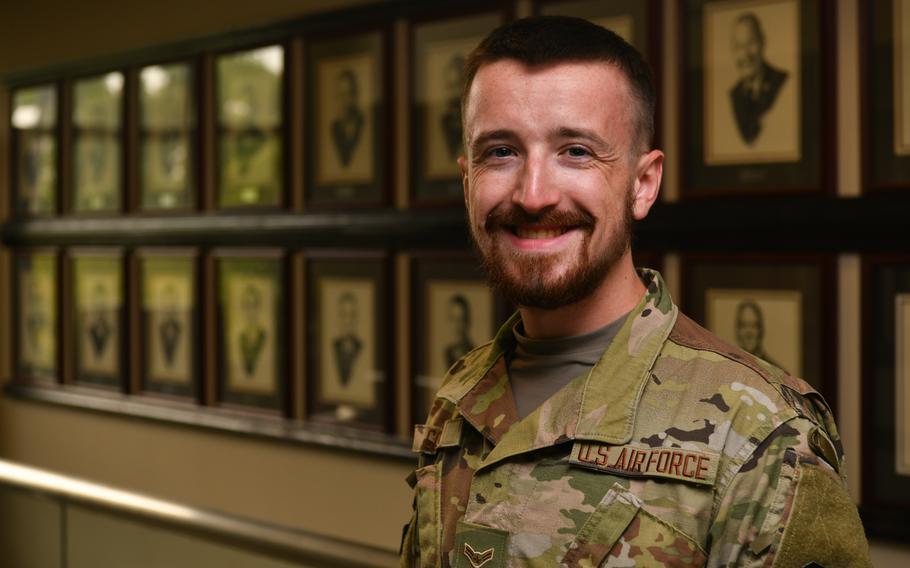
point(676, 449)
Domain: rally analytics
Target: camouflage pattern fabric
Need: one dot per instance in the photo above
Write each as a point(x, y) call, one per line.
point(676, 449)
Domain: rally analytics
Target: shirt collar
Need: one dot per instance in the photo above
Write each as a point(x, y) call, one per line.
point(598, 406)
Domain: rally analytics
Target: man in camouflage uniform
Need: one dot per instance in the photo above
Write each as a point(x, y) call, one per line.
point(673, 448)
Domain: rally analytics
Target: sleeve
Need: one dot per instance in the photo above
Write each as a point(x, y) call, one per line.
point(787, 506)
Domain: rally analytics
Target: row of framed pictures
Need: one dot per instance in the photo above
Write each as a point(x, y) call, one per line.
point(244, 98)
point(147, 324)
point(263, 330)
point(780, 309)
point(758, 99)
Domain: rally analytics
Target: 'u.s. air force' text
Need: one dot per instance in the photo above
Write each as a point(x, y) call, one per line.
point(635, 461)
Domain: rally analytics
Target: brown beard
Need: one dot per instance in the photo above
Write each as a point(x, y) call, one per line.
point(529, 285)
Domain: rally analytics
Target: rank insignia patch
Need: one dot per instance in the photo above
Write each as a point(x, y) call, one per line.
point(477, 546)
point(478, 559)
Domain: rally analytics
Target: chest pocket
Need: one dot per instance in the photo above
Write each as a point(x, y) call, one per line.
point(620, 532)
point(434, 506)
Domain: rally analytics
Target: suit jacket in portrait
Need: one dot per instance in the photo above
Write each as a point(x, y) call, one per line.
point(750, 103)
point(346, 135)
point(347, 349)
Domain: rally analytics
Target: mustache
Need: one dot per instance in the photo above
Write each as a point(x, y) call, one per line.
point(514, 216)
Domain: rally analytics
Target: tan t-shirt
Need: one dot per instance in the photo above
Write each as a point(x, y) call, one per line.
point(540, 367)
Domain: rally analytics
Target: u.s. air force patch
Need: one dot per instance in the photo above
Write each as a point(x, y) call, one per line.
point(637, 461)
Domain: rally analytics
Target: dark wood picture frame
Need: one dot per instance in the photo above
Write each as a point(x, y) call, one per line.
point(140, 200)
point(885, 503)
point(808, 280)
point(25, 299)
point(458, 276)
point(359, 60)
point(99, 134)
point(435, 180)
point(251, 132)
point(169, 362)
point(252, 296)
point(108, 333)
point(799, 155)
point(360, 396)
point(885, 153)
point(27, 205)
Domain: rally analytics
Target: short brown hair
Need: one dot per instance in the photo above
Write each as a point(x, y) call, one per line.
point(541, 40)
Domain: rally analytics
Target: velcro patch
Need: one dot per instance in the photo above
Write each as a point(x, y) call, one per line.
point(451, 433)
point(635, 461)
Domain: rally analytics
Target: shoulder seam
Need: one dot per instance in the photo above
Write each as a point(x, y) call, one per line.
point(748, 361)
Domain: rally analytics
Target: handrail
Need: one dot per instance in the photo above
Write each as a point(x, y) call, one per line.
point(274, 540)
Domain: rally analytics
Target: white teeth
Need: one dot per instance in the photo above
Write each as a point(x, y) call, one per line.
point(537, 233)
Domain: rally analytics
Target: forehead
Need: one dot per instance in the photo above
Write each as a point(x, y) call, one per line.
point(745, 31)
point(507, 93)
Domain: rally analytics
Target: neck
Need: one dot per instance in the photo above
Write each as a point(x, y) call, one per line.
point(620, 291)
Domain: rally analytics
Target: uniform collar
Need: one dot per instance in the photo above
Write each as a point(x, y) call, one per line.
point(598, 406)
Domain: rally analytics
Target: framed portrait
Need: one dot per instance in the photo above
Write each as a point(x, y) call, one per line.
point(779, 308)
point(250, 109)
point(347, 110)
point(439, 49)
point(745, 317)
point(886, 66)
point(348, 306)
point(886, 395)
point(98, 316)
point(454, 311)
point(167, 137)
point(35, 162)
point(97, 160)
point(169, 321)
point(36, 304)
point(251, 324)
point(758, 96)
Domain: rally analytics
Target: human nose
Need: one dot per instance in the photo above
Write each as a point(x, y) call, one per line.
point(535, 190)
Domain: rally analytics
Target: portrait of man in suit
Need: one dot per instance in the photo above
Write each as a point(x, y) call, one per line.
point(100, 329)
point(460, 320)
point(253, 336)
point(170, 328)
point(347, 345)
point(759, 83)
point(347, 126)
point(750, 330)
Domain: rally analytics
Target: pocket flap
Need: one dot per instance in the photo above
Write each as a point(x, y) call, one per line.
point(603, 528)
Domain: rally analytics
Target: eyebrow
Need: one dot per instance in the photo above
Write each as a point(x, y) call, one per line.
point(584, 134)
point(485, 138)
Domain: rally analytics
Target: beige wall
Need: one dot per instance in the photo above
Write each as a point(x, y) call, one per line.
point(48, 32)
point(336, 493)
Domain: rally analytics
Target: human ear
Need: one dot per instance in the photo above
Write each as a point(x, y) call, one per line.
point(647, 183)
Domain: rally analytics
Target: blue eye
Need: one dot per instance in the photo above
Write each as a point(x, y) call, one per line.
point(501, 152)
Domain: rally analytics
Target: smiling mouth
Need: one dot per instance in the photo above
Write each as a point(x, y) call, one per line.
point(538, 232)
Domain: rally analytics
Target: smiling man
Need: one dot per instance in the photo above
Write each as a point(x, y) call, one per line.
point(601, 427)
